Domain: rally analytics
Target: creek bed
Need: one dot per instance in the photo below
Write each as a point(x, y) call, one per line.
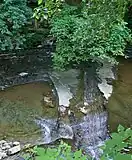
point(22, 104)
point(120, 103)
point(19, 106)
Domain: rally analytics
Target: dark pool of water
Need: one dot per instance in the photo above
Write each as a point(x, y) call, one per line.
point(120, 103)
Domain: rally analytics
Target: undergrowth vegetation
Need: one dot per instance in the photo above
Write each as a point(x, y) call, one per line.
point(113, 149)
point(85, 30)
point(14, 15)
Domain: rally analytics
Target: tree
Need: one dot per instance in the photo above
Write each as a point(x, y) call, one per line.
point(92, 30)
point(14, 15)
point(96, 32)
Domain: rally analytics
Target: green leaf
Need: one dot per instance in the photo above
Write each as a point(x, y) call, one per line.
point(120, 128)
point(40, 2)
point(77, 154)
point(120, 156)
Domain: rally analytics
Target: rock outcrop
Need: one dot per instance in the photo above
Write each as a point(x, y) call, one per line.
point(80, 96)
point(8, 148)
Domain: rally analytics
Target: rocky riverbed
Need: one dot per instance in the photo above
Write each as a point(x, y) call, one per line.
point(39, 105)
point(9, 148)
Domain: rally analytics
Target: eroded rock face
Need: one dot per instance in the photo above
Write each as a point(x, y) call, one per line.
point(106, 75)
point(89, 115)
point(80, 105)
point(10, 81)
point(81, 113)
point(65, 84)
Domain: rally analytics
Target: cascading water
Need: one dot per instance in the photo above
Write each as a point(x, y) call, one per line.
point(65, 85)
point(88, 130)
point(84, 121)
point(53, 130)
point(91, 132)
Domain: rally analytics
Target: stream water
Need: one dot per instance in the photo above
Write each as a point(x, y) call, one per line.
point(120, 103)
point(21, 105)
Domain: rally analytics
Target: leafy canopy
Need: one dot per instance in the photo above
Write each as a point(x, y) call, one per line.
point(46, 9)
point(93, 31)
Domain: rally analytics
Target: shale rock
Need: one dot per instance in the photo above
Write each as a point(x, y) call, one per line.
point(8, 148)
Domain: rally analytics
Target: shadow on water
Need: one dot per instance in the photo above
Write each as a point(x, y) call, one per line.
point(120, 103)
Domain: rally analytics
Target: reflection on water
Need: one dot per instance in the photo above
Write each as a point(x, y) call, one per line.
point(20, 105)
point(120, 103)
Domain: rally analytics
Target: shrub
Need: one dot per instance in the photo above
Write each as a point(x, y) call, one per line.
point(94, 31)
point(14, 15)
point(63, 152)
point(114, 149)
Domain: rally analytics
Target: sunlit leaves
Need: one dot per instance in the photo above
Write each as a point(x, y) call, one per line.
point(46, 9)
point(40, 2)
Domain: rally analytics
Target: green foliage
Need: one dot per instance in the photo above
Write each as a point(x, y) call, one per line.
point(14, 15)
point(114, 147)
point(63, 152)
point(46, 9)
point(94, 31)
point(112, 150)
point(35, 39)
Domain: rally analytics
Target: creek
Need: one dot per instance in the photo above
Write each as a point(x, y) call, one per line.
point(120, 103)
point(44, 106)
